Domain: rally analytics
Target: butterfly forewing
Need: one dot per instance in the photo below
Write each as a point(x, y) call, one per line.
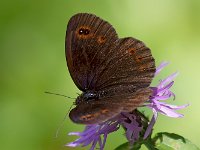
point(88, 40)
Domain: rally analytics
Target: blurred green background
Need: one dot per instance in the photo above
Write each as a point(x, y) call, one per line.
point(32, 60)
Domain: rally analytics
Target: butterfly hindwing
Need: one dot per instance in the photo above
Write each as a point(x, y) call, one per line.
point(94, 112)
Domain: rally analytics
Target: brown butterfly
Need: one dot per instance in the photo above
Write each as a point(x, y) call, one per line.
point(113, 73)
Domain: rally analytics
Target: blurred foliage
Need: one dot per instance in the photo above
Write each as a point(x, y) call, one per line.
point(161, 141)
point(171, 141)
point(32, 61)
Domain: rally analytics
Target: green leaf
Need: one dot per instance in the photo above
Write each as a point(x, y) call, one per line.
point(127, 146)
point(171, 141)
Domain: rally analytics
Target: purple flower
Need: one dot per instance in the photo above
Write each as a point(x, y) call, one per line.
point(97, 134)
point(92, 134)
point(132, 122)
point(133, 126)
point(160, 94)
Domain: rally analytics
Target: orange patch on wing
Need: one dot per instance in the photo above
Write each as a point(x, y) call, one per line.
point(101, 39)
point(138, 59)
point(104, 111)
point(142, 67)
point(131, 51)
point(89, 116)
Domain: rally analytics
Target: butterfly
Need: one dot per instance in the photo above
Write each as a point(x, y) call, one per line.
point(113, 73)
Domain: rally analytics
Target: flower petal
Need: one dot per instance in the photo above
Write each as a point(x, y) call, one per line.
point(151, 124)
point(169, 78)
point(72, 144)
point(74, 133)
point(104, 141)
point(161, 66)
point(169, 112)
point(164, 87)
point(94, 144)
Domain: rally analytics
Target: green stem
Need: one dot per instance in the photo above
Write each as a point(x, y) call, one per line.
point(149, 144)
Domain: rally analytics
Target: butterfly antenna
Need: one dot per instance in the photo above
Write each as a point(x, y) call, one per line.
point(62, 123)
point(59, 94)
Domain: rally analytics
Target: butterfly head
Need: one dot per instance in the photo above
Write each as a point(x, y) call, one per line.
point(86, 97)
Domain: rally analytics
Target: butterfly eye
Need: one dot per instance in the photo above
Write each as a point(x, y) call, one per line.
point(89, 96)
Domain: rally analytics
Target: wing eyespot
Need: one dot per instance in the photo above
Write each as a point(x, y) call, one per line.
point(84, 32)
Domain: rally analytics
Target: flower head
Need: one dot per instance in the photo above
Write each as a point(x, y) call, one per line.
point(97, 134)
point(157, 103)
point(92, 134)
point(133, 125)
